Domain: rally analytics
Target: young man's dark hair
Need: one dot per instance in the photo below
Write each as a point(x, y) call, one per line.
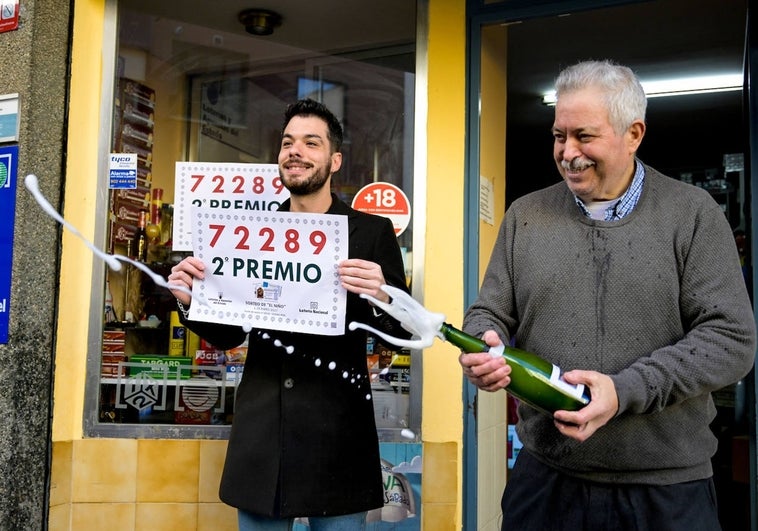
point(309, 107)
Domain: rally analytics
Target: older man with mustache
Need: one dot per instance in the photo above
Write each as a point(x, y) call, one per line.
point(631, 281)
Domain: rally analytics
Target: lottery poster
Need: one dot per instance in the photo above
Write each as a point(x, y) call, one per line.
point(224, 187)
point(274, 270)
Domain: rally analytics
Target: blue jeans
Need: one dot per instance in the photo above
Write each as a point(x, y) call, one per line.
point(345, 522)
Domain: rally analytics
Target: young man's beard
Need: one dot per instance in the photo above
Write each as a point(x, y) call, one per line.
point(308, 186)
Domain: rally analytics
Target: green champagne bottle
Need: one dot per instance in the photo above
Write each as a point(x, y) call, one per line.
point(533, 380)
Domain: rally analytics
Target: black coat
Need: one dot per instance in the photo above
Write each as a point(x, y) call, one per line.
point(303, 440)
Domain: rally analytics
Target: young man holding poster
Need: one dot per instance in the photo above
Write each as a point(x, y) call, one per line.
point(303, 441)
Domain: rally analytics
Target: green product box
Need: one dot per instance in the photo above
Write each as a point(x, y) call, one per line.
point(152, 365)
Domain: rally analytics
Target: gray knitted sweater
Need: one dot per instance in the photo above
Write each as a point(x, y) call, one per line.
point(656, 300)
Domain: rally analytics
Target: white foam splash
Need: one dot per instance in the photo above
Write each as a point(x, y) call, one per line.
point(113, 260)
point(416, 319)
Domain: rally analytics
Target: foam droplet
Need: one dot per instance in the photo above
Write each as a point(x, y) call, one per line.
point(368, 397)
point(318, 362)
point(277, 343)
point(290, 349)
point(332, 365)
point(345, 375)
point(408, 434)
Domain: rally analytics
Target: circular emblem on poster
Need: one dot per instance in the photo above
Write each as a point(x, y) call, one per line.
point(385, 199)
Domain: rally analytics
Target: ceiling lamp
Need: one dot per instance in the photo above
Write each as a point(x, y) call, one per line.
point(680, 86)
point(259, 21)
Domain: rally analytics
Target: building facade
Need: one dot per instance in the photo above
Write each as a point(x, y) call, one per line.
point(429, 102)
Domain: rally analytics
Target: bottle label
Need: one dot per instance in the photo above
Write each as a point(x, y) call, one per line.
point(556, 378)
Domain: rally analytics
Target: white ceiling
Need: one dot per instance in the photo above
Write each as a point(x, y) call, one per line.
point(657, 39)
point(318, 25)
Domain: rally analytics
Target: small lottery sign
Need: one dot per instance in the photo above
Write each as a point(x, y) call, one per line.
point(273, 270)
point(385, 199)
point(224, 187)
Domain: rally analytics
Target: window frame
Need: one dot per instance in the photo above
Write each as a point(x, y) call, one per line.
point(92, 425)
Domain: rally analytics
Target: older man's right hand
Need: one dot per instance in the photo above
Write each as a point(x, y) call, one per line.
point(485, 371)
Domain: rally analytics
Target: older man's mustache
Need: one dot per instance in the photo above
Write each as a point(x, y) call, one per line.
point(576, 164)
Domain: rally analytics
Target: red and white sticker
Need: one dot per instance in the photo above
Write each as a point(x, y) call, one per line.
point(385, 199)
point(8, 15)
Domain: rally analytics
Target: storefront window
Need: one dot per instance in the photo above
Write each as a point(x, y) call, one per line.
point(189, 91)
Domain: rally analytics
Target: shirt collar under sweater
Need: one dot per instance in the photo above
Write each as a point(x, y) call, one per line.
point(626, 203)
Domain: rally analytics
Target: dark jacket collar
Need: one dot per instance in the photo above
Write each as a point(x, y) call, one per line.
point(338, 206)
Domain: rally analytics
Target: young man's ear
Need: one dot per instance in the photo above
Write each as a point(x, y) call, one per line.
point(336, 162)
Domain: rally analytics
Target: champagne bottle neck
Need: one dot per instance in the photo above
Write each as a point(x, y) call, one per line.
point(462, 340)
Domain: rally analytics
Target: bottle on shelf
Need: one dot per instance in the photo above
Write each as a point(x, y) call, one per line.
point(534, 380)
point(110, 313)
point(154, 223)
point(140, 241)
point(167, 224)
point(156, 206)
point(177, 335)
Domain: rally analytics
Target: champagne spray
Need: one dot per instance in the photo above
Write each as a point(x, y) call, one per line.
point(534, 380)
